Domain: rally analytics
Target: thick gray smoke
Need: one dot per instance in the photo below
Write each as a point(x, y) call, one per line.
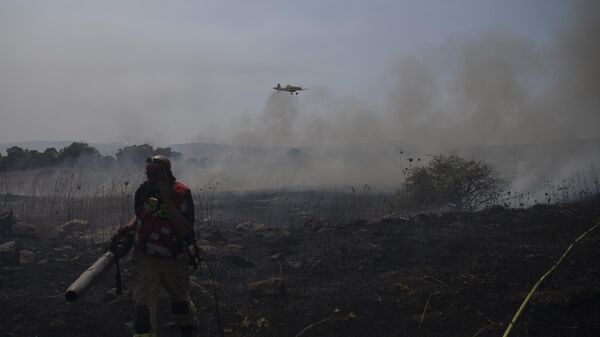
point(496, 88)
point(490, 89)
point(575, 96)
point(477, 94)
point(275, 127)
point(319, 118)
point(499, 88)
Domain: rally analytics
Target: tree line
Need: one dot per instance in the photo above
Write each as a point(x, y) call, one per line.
point(79, 155)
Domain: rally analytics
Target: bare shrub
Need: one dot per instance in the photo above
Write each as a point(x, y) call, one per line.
point(450, 180)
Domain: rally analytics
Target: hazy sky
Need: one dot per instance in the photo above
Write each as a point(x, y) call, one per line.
point(181, 71)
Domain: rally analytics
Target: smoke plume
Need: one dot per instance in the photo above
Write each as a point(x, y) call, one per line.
point(499, 88)
point(491, 89)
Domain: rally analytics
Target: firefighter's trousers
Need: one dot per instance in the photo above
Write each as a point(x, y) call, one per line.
point(152, 275)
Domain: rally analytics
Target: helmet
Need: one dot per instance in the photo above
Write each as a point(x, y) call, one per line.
point(159, 159)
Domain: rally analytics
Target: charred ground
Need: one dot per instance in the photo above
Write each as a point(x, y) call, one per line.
point(429, 274)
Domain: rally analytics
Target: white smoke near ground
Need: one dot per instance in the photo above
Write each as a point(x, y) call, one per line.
point(499, 89)
point(472, 94)
point(492, 89)
point(319, 118)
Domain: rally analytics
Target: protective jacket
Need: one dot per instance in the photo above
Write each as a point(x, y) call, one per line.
point(155, 233)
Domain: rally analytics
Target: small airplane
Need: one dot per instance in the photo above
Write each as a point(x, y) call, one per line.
point(289, 88)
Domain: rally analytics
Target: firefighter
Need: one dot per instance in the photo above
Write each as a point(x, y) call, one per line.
point(163, 227)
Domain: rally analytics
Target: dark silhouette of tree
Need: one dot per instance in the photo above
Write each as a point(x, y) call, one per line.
point(77, 150)
point(79, 154)
point(16, 157)
point(15, 153)
point(454, 181)
point(49, 157)
point(136, 154)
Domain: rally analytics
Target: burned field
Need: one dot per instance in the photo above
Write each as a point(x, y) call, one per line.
point(303, 264)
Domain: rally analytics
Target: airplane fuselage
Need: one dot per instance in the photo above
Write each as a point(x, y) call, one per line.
point(289, 88)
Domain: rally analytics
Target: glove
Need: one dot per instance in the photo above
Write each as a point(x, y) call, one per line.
point(121, 243)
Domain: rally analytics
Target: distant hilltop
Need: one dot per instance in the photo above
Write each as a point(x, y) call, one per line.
point(105, 149)
point(496, 154)
point(379, 163)
point(200, 150)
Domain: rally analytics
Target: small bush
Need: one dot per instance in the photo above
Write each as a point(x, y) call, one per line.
point(449, 180)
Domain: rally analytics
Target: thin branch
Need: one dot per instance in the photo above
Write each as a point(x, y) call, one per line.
point(438, 281)
point(424, 311)
point(310, 326)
